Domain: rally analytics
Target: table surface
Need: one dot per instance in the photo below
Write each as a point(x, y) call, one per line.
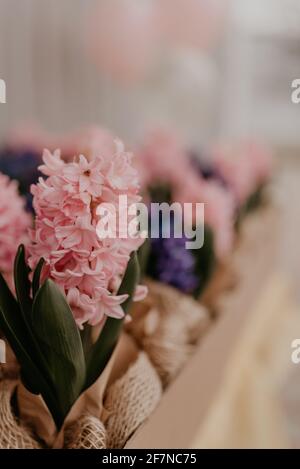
point(192, 411)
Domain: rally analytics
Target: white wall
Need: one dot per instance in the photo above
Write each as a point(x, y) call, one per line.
point(244, 88)
point(262, 59)
point(50, 79)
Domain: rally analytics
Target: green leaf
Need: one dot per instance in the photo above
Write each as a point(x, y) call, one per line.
point(19, 324)
point(60, 342)
point(130, 280)
point(20, 336)
point(37, 276)
point(13, 322)
point(32, 377)
point(108, 338)
point(160, 193)
point(22, 283)
point(29, 369)
point(143, 256)
point(86, 340)
point(7, 299)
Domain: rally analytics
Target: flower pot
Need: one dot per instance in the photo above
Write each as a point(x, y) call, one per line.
point(167, 324)
point(130, 401)
point(13, 434)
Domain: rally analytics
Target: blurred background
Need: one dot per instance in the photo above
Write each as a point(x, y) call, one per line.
point(220, 66)
point(211, 69)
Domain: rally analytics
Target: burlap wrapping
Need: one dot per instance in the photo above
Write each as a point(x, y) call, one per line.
point(87, 433)
point(34, 412)
point(166, 325)
point(133, 391)
point(12, 434)
point(130, 400)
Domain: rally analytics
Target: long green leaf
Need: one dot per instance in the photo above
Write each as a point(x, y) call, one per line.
point(13, 317)
point(20, 327)
point(130, 280)
point(108, 338)
point(23, 343)
point(33, 377)
point(36, 277)
point(86, 340)
point(59, 339)
point(22, 283)
point(34, 380)
point(29, 368)
point(143, 256)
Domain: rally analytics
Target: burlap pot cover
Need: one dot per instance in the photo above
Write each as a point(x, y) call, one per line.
point(83, 428)
point(87, 433)
point(130, 400)
point(12, 434)
point(166, 325)
point(34, 412)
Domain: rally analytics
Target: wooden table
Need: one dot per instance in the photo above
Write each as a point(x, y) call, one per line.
point(220, 398)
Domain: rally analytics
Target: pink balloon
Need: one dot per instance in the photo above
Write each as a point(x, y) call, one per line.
point(123, 38)
point(191, 23)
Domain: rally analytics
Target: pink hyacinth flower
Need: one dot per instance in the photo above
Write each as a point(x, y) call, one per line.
point(14, 222)
point(87, 267)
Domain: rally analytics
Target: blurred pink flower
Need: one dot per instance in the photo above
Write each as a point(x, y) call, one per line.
point(218, 209)
point(14, 222)
point(87, 268)
point(89, 141)
point(30, 136)
point(122, 39)
point(162, 158)
point(244, 166)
